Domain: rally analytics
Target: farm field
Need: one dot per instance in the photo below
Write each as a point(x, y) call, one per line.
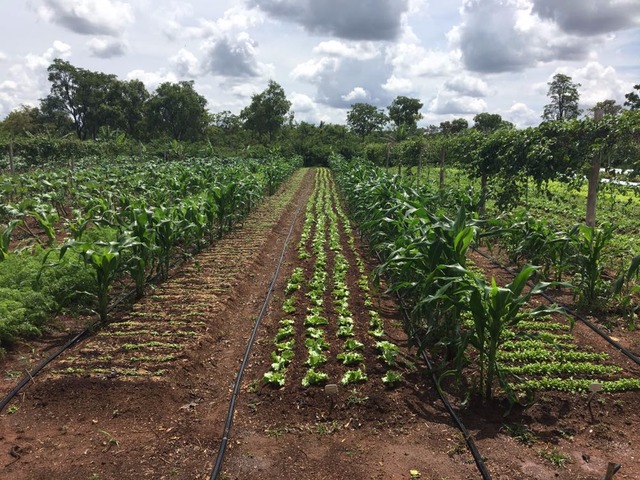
point(145, 397)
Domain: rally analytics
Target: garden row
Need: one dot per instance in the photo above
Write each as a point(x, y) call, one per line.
point(485, 335)
point(319, 327)
point(125, 223)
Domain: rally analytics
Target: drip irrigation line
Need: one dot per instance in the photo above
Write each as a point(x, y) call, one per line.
point(76, 339)
point(634, 358)
point(471, 445)
point(38, 368)
point(254, 333)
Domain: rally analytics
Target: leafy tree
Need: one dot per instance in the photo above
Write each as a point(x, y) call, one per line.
point(127, 101)
point(454, 126)
point(364, 119)
point(80, 93)
point(633, 99)
point(490, 122)
point(21, 121)
point(177, 111)
point(405, 112)
point(564, 96)
point(267, 112)
point(608, 107)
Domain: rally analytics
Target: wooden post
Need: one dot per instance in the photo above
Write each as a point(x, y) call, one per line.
point(442, 158)
point(594, 180)
point(12, 167)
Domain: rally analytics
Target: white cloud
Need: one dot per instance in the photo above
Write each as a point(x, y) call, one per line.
point(186, 63)
point(355, 50)
point(447, 103)
point(106, 47)
point(357, 94)
point(152, 79)
point(89, 17)
point(598, 83)
point(312, 69)
point(397, 85)
point(468, 85)
point(232, 56)
point(522, 116)
point(504, 36)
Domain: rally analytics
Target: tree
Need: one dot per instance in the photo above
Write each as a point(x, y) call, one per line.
point(454, 126)
point(564, 99)
point(177, 111)
point(80, 93)
point(405, 112)
point(633, 99)
point(364, 119)
point(267, 112)
point(607, 107)
point(490, 122)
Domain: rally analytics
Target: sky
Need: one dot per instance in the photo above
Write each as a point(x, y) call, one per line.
point(459, 57)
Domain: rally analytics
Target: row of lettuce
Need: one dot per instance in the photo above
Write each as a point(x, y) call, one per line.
point(75, 238)
point(484, 334)
point(318, 307)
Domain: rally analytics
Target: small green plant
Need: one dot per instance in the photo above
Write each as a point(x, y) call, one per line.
point(353, 376)
point(556, 457)
point(391, 378)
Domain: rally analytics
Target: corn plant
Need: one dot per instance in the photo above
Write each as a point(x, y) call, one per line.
point(5, 239)
point(590, 243)
point(627, 291)
point(107, 259)
point(494, 309)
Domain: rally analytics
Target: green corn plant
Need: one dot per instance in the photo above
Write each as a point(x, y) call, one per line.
point(5, 239)
point(590, 243)
point(494, 309)
point(627, 291)
point(107, 261)
point(224, 197)
point(142, 229)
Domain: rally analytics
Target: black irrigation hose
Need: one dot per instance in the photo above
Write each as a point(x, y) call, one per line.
point(76, 339)
point(576, 315)
point(477, 457)
point(236, 388)
point(29, 376)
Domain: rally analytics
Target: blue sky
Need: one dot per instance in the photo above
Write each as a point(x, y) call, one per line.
point(459, 58)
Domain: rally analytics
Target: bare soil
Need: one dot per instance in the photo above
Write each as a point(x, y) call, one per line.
point(147, 396)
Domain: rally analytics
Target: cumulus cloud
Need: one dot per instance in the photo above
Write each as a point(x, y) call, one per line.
point(398, 86)
point(106, 47)
point(358, 94)
point(89, 17)
point(598, 83)
point(357, 50)
point(152, 79)
point(186, 63)
point(233, 57)
point(589, 17)
point(353, 19)
point(3, 56)
point(177, 22)
point(522, 116)
point(26, 81)
point(468, 85)
point(503, 36)
point(340, 80)
point(413, 60)
point(448, 103)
